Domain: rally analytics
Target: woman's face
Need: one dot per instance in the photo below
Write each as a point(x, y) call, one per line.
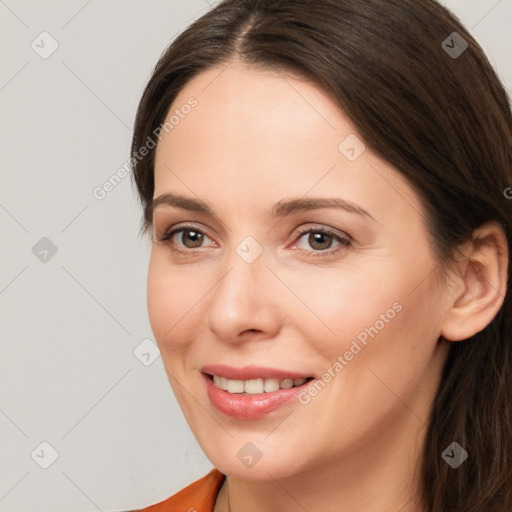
point(269, 287)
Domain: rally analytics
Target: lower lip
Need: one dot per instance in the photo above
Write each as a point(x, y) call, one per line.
point(249, 407)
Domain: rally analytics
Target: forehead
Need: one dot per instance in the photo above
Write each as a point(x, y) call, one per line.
point(255, 131)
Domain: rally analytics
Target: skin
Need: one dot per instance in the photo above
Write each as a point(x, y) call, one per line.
point(258, 137)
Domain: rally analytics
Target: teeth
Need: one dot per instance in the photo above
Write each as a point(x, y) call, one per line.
point(255, 386)
point(235, 386)
point(271, 385)
point(287, 384)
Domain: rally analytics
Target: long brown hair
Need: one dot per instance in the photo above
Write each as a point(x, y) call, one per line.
point(438, 113)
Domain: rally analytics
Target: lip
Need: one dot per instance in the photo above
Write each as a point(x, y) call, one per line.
point(251, 372)
point(245, 406)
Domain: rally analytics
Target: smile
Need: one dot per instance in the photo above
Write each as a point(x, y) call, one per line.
point(255, 386)
point(252, 392)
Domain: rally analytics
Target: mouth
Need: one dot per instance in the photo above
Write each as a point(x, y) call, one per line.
point(259, 394)
point(255, 386)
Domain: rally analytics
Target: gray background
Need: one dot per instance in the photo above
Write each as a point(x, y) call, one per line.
point(72, 323)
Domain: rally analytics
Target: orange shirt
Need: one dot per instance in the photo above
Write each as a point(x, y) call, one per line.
point(199, 496)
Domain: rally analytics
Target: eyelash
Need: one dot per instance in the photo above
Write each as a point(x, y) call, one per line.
point(344, 241)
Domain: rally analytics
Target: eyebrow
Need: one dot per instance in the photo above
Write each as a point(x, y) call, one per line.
point(280, 209)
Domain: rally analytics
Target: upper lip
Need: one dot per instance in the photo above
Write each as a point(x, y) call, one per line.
point(251, 372)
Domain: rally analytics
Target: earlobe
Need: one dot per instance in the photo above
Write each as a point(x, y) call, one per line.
point(484, 284)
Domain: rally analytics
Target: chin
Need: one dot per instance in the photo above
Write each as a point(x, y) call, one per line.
point(256, 461)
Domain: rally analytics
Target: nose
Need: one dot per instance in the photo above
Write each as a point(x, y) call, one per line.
point(245, 302)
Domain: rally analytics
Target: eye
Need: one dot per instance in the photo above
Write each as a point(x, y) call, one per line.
point(189, 237)
point(321, 239)
point(185, 239)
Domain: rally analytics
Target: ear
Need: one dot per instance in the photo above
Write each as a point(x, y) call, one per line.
point(481, 285)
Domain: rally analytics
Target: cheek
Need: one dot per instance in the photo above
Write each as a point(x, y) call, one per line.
point(370, 316)
point(336, 306)
point(172, 300)
point(391, 345)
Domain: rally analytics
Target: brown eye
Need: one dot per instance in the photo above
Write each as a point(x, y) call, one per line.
point(191, 238)
point(184, 239)
point(319, 242)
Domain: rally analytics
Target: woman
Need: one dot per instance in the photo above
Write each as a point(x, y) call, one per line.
point(329, 202)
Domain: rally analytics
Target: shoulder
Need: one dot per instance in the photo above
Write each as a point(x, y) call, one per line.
point(199, 496)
